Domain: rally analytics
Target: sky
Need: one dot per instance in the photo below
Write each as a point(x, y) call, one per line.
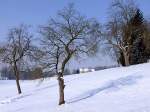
point(37, 12)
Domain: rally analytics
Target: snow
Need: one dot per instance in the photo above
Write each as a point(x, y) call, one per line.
point(122, 89)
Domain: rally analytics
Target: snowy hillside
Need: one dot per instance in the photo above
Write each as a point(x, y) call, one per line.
point(112, 90)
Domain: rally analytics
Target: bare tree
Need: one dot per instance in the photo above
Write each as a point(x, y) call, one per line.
point(119, 27)
point(69, 35)
point(16, 49)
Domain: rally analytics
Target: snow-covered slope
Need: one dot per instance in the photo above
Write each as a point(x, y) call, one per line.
point(125, 89)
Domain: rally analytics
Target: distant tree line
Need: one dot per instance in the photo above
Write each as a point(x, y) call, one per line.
point(25, 75)
point(37, 73)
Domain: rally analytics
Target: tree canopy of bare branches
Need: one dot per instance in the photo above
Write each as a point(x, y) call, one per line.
point(70, 34)
point(16, 49)
point(119, 27)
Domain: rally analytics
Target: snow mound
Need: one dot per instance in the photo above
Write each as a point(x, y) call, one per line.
point(122, 89)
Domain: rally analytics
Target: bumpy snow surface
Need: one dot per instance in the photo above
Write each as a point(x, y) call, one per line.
point(123, 89)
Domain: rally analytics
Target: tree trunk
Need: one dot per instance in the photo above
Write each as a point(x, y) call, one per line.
point(16, 72)
point(61, 89)
point(18, 85)
point(126, 59)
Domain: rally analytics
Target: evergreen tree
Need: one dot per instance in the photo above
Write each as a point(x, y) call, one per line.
point(137, 51)
point(137, 55)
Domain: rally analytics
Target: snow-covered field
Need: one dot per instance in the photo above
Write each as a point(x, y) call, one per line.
point(124, 89)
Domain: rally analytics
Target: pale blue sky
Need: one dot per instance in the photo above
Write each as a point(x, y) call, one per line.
point(37, 12)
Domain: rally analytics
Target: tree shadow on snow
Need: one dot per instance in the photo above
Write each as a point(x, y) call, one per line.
point(114, 84)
